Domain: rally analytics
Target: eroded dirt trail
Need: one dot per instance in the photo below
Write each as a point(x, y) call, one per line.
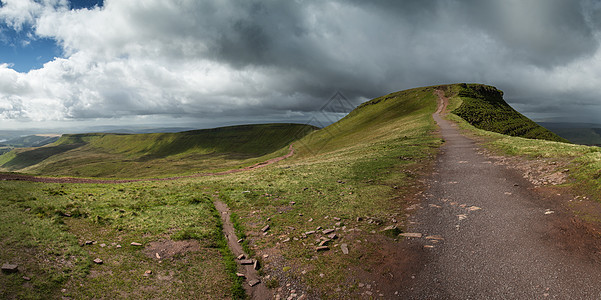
point(253, 285)
point(488, 235)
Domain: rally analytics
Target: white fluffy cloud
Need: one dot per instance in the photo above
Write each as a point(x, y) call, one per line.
point(254, 60)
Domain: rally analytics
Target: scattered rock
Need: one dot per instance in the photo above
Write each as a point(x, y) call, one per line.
point(359, 219)
point(157, 255)
point(328, 231)
point(461, 217)
point(26, 278)
point(338, 224)
point(428, 246)
point(102, 245)
point(322, 248)
point(246, 262)
point(254, 282)
point(473, 208)
point(241, 257)
point(292, 202)
point(135, 244)
point(98, 261)
point(434, 237)
point(344, 248)
point(324, 242)
point(311, 220)
point(89, 242)
point(332, 236)
point(264, 229)
point(310, 232)
point(286, 240)
point(240, 241)
point(240, 275)
point(434, 206)
point(336, 218)
point(10, 268)
point(411, 234)
point(257, 265)
point(118, 246)
point(548, 212)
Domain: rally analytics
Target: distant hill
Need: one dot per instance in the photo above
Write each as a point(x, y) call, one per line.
point(578, 133)
point(483, 106)
point(136, 155)
point(36, 140)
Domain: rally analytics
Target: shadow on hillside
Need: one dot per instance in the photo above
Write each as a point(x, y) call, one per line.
point(35, 156)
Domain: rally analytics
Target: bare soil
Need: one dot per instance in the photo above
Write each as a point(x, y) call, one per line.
point(167, 249)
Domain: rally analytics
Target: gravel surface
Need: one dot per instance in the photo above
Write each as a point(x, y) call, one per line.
point(492, 234)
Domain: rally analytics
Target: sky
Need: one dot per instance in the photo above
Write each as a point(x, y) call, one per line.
point(70, 65)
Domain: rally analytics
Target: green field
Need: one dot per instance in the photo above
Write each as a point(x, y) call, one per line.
point(356, 176)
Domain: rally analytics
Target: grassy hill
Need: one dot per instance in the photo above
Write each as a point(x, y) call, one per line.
point(359, 175)
point(156, 154)
point(483, 106)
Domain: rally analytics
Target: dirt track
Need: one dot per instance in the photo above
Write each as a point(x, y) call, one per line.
point(488, 234)
point(14, 176)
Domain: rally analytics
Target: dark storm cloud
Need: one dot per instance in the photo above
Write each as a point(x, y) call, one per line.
point(264, 59)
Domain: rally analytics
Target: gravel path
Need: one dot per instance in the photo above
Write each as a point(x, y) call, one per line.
point(488, 235)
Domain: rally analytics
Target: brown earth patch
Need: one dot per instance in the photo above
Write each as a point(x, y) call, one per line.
point(168, 249)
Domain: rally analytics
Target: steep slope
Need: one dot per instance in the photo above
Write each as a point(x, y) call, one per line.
point(157, 154)
point(483, 106)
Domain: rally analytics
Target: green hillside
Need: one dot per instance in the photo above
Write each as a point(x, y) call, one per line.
point(483, 106)
point(156, 154)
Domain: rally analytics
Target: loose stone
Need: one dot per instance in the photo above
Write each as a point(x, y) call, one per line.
point(344, 248)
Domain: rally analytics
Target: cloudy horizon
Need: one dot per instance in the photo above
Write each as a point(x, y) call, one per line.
point(211, 63)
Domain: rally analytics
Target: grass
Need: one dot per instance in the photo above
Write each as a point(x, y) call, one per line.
point(365, 166)
point(38, 234)
point(158, 154)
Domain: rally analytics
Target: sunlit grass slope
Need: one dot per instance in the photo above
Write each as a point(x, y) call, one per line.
point(483, 106)
point(158, 154)
point(364, 167)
